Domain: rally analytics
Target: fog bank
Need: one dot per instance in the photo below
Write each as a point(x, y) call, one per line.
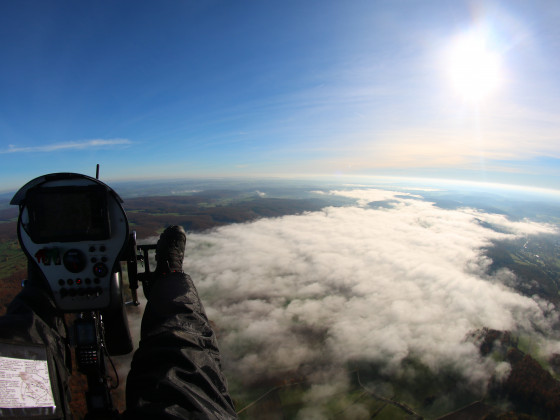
point(306, 294)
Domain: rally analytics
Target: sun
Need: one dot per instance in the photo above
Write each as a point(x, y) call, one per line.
point(473, 69)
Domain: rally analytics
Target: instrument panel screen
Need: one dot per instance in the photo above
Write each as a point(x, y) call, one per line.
point(68, 214)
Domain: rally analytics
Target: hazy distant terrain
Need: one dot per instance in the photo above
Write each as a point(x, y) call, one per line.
point(354, 301)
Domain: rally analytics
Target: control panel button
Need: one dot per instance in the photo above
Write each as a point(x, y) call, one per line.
point(74, 260)
point(46, 256)
point(100, 270)
point(41, 256)
point(55, 254)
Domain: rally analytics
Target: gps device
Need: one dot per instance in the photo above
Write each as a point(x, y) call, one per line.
point(74, 230)
point(66, 214)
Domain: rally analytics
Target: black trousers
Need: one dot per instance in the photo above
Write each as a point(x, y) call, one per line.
point(175, 372)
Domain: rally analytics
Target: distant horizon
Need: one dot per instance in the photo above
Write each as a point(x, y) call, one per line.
point(364, 181)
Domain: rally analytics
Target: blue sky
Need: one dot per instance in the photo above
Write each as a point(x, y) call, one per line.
point(279, 88)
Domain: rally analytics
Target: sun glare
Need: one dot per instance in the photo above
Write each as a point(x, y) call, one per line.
point(473, 69)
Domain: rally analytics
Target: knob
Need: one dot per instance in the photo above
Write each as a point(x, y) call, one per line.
point(100, 270)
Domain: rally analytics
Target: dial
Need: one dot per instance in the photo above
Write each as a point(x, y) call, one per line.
point(74, 260)
point(100, 270)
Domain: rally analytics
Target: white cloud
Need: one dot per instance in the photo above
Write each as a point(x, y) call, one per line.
point(357, 283)
point(365, 196)
point(72, 145)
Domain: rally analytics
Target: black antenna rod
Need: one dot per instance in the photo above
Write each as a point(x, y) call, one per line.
point(97, 172)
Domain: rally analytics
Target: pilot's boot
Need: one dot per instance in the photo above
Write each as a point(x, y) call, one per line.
point(170, 251)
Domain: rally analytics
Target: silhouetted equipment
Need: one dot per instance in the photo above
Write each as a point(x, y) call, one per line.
point(75, 233)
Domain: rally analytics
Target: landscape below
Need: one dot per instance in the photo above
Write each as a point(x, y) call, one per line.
point(531, 390)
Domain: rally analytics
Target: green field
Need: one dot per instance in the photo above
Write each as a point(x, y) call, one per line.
point(12, 259)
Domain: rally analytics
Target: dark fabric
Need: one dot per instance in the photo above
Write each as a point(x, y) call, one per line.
point(32, 318)
point(176, 372)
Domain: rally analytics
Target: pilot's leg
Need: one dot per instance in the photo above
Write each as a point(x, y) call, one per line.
point(176, 372)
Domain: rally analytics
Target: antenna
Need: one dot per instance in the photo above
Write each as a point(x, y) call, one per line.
point(97, 172)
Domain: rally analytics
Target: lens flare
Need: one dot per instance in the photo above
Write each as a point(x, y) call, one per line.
point(473, 69)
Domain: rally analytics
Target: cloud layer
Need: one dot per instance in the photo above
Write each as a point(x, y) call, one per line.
point(72, 145)
point(300, 293)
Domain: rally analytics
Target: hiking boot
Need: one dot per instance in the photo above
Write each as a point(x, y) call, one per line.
point(170, 250)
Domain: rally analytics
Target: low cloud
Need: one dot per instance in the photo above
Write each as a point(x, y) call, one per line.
point(310, 293)
point(72, 145)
